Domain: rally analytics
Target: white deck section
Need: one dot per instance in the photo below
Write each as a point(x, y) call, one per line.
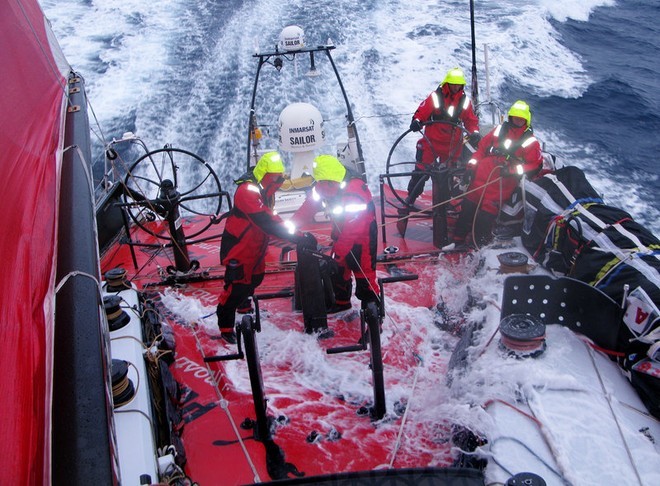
point(134, 421)
point(587, 413)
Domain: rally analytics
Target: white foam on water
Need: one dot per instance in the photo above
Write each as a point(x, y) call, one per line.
point(564, 10)
point(151, 64)
point(561, 387)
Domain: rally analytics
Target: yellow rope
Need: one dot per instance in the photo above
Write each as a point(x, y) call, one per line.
point(441, 203)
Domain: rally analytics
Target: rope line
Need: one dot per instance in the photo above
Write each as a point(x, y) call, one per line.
point(224, 404)
point(397, 443)
point(539, 424)
point(529, 449)
point(608, 399)
point(451, 199)
point(77, 273)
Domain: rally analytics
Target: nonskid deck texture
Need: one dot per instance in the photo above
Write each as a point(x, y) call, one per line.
point(445, 374)
point(318, 402)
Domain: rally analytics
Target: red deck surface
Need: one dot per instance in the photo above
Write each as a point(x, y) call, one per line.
point(218, 450)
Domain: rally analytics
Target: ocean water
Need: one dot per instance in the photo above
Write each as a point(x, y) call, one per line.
point(181, 72)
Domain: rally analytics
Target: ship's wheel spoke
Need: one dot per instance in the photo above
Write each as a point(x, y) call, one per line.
point(197, 187)
point(194, 190)
point(401, 160)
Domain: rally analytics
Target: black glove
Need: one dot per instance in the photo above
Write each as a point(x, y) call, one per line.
point(415, 125)
point(307, 242)
point(330, 266)
point(474, 139)
point(468, 175)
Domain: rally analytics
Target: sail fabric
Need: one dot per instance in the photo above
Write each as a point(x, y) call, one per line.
point(570, 230)
point(32, 104)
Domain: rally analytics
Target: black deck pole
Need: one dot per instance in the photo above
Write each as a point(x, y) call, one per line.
point(246, 328)
point(440, 195)
point(371, 315)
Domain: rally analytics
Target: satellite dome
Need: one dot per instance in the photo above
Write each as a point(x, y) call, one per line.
point(292, 38)
point(301, 128)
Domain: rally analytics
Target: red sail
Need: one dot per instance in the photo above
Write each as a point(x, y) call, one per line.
point(31, 114)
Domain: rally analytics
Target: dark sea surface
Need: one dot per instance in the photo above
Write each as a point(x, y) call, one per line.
point(181, 72)
point(619, 113)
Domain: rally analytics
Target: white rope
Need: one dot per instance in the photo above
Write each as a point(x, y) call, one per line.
point(616, 420)
point(549, 440)
point(86, 167)
point(223, 405)
point(76, 273)
point(445, 202)
point(397, 443)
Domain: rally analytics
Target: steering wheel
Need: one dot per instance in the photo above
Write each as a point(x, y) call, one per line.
point(167, 180)
point(395, 167)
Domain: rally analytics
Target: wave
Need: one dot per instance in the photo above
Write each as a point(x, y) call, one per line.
point(564, 10)
point(181, 72)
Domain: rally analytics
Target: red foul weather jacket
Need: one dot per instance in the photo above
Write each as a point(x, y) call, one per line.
point(247, 232)
point(355, 230)
point(505, 146)
point(446, 139)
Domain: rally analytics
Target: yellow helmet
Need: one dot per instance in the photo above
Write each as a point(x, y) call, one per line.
point(454, 76)
point(269, 163)
point(521, 109)
point(328, 168)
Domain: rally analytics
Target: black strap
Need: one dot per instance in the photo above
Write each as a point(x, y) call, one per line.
point(513, 148)
point(442, 114)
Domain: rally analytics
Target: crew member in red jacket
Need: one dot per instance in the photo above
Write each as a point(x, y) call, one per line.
point(504, 155)
point(349, 203)
point(444, 141)
point(245, 239)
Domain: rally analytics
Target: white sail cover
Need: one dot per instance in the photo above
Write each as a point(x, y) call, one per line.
point(32, 103)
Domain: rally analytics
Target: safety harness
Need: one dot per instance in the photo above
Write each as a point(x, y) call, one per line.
point(441, 112)
point(505, 146)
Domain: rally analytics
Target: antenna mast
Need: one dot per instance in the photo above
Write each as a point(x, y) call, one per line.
point(475, 85)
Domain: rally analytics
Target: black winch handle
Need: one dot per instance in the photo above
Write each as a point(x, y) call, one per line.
point(318, 254)
point(347, 349)
point(398, 278)
point(384, 280)
point(274, 295)
point(226, 357)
